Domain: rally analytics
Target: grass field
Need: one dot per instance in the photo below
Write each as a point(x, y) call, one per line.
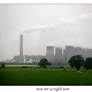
point(29, 76)
point(22, 66)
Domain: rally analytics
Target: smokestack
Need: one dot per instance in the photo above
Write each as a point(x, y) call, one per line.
point(21, 60)
point(21, 45)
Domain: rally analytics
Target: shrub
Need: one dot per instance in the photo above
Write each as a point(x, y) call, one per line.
point(88, 63)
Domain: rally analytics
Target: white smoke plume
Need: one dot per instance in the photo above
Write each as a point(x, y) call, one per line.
point(34, 28)
point(69, 21)
point(47, 27)
point(69, 42)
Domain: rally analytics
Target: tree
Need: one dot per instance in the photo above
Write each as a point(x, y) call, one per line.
point(71, 62)
point(3, 65)
point(88, 63)
point(76, 61)
point(43, 63)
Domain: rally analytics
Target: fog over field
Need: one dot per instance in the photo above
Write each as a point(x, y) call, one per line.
point(43, 25)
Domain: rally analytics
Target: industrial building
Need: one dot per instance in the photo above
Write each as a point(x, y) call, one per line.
point(55, 55)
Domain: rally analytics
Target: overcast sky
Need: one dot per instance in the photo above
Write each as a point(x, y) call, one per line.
point(44, 25)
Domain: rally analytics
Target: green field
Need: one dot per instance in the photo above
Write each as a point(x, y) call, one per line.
point(22, 66)
point(29, 76)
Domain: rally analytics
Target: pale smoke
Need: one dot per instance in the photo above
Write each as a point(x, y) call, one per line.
point(69, 42)
point(46, 27)
point(35, 28)
point(62, 20)
point(55, 43)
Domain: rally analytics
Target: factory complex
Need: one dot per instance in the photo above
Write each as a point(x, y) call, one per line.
point(55, 55)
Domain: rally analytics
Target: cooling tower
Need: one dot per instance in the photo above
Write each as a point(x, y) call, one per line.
point(68, 52)
point(58, 55)
point(50, 53)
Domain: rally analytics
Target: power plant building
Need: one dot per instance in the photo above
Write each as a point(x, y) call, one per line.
point(57, 55)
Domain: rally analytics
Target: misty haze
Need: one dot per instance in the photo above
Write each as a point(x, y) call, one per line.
point(45, 44)
point(43, 25)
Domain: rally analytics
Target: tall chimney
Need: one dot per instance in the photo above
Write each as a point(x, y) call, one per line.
point(21, 60)
point(21, 45)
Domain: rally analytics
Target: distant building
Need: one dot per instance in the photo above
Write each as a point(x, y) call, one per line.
point(29, 58)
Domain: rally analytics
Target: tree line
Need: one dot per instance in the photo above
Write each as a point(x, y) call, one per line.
point(77, 61)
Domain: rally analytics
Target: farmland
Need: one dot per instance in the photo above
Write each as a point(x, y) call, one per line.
point(49, 76)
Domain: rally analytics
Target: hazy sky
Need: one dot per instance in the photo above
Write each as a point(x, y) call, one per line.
point(43, 25)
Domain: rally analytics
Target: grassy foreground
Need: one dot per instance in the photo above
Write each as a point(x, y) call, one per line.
point(29, 76)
